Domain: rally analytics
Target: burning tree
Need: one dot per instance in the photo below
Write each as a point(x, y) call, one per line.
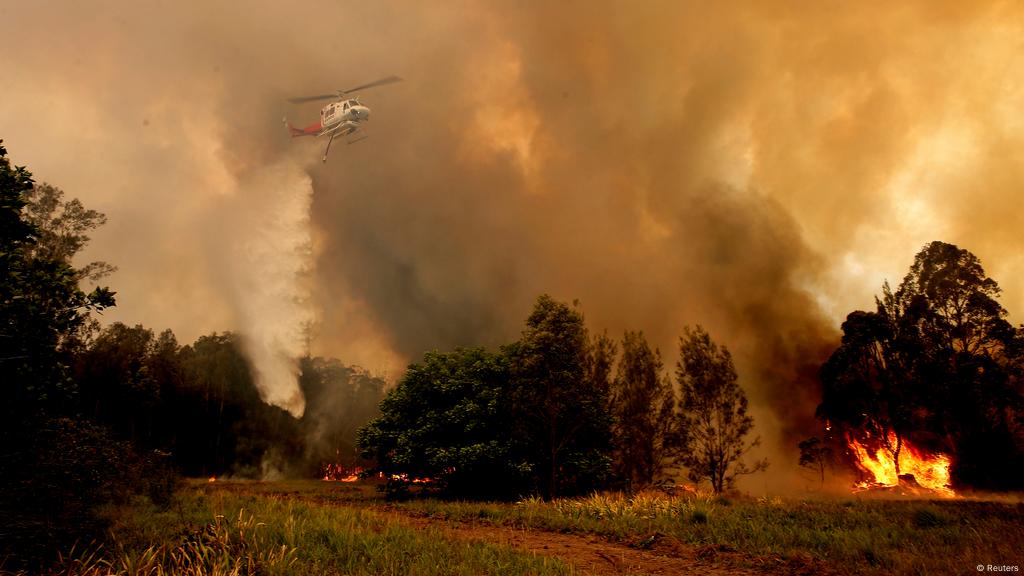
point(929, 378)
point(714, 422)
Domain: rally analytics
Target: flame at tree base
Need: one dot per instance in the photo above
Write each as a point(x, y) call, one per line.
point(338, 473)
point(916, 469)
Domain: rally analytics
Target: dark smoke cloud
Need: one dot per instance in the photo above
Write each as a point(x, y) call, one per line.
point(756, 168)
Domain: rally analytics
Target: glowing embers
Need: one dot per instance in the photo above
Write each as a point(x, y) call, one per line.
point(405, 478)
point(339, 473)
point(917, 473)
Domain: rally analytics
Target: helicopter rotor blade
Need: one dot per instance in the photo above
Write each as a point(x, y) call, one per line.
point(302, 99)
point(381, 82)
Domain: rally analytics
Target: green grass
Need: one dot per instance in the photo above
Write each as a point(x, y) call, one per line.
point(312, 527)
point(851, 536)
point(249, 528)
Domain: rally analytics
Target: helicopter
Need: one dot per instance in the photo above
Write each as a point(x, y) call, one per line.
point(341, 117)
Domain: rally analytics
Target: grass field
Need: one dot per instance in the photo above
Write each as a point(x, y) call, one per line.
point(312, 527)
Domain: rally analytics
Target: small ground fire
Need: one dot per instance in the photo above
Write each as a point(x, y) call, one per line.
point(338, 473)
point(915, 468)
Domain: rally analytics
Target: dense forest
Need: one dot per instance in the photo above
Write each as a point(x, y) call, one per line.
point(554, 414)
point(198, 405)
point(95, 415)
point(560, 412)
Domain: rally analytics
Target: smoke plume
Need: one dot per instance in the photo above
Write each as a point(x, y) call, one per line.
point(268, 272)
point(758, 168)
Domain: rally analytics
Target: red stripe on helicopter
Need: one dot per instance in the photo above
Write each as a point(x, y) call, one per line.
point(310, 130)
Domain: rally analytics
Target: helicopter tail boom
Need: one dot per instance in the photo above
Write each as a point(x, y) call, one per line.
point(311, 130)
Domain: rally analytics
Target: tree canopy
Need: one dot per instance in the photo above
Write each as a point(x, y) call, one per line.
point(643, 404)
point(544, 415)
point(93, 416)
point(448, 421)
point(936, 362)
point(532, 417)
point(559, 401)
point(43, 316)
point(714, 421)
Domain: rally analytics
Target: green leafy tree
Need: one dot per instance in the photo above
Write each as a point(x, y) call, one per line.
point(16, 233)
point(42, 313)
point(643, 405)
point(558, 406)
point(714, 422)
point(42, 308)
point(447, 420)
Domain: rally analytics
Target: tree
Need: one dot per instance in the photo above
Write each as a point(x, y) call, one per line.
point(937, 362)
point(557, 407)
point(448, 421)
point(117, 382)
point(42, 313)
point(643, 405)
point(950, 302)
point(815, 455)
point(600, 359)
point(865, 391)
point(15, 231)
point(714, 421)
point(62, 228)
point(42, 308)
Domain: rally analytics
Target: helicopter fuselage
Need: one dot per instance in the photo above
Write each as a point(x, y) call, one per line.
point(342, 112)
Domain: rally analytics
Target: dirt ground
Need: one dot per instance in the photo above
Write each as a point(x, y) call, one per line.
point(590, 554)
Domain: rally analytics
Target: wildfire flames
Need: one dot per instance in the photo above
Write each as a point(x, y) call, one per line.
point(338, 473)
point(929, 472)
point(405, 477)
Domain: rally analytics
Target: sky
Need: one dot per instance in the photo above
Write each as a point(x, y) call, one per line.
point(759, 168)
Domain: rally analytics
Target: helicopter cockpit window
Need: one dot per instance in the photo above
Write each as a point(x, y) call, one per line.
point(346, 106)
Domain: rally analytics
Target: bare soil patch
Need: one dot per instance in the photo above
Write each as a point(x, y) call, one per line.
point(590, 554)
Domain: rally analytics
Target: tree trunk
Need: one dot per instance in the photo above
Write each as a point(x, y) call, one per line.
point(896, 454)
